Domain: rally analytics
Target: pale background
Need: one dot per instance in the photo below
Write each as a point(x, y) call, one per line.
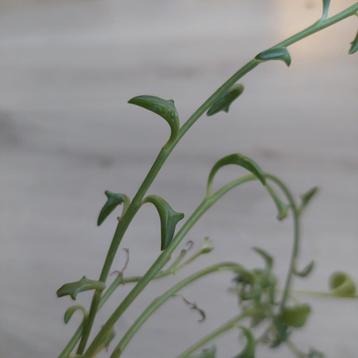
point(67, 69)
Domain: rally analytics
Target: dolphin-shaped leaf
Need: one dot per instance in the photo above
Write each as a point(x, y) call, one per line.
point(72, 289)
point(164, 108)
point(71, 310)
point(113, 200)
point(266, 256)
point(354, 45)
point(236, 159)
point(305, 271)
point(275, 53)
point(223, 103)
point(282, 208)
point(325, 8)
point(168, 218)
point(307, 197)
point(250, 347)
point(295, 316)
point(342, 285)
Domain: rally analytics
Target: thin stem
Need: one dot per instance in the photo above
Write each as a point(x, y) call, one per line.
point(159, 301)
point(320, 294)
point(165, 152)
point(296, 237)
point(228, 326)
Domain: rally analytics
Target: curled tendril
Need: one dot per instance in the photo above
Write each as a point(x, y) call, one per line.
point(125, 265)
point(193, 306)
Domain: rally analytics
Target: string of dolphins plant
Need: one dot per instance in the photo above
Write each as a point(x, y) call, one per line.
point(257, 289)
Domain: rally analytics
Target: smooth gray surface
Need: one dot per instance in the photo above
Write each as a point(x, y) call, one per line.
point(66, 134)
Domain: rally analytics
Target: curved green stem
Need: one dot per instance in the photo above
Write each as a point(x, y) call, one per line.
point(226, 327)
point(296, 237)
point(159, 301)
point(165, 152)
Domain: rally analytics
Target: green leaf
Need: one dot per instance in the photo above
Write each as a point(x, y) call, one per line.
point(295, 316)
point(325, 8)
point(236, 159)
point(223, 103)
point(354, 45)
point(250, 348)
point(307, 197)
point(281, 332)
point(113, 200)
point(71, 310)
point(72, 289)
point(266, 256)
point(342, 285)
point(305, 271)
point(275, 53)
point(206, 353)
point(282, 208)
point(164, 108)
point(168, 218)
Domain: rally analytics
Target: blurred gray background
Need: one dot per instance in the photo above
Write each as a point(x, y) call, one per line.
point(67, 69)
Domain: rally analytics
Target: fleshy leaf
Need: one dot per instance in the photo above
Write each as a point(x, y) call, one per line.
point(250, 348)
point(282, 208)
point(325, 8)
point(295, 316)
point(164, 108)
point(236, 159)
point(206, 353)
point(113, 200)
point(275, 53)
point(307, 197)
point(342, 285)
point(71, 310)
point(72, 289)
point(281, 332)
point(354, 45)
point(168, 218)
point(224, 102)
point(266, 256)
point(305, 271)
